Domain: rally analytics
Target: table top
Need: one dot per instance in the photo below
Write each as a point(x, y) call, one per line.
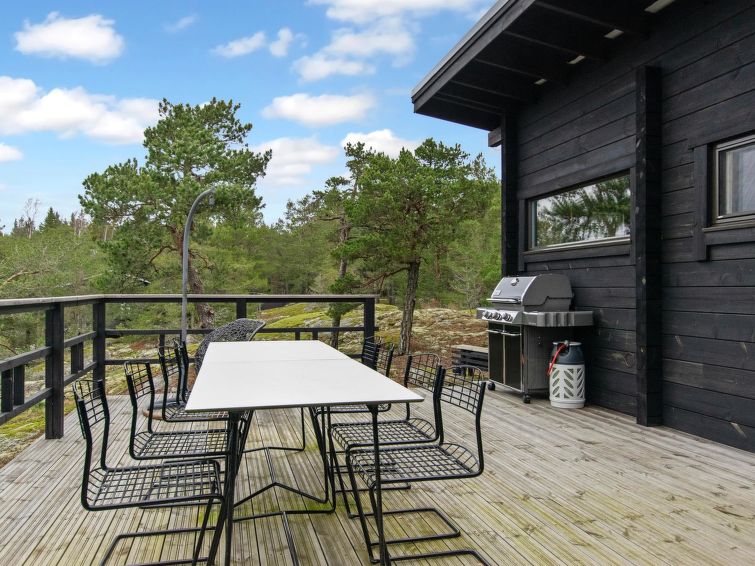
point(238, 376)
point(271, 350)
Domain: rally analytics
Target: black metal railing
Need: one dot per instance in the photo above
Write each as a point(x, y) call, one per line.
point(13, 399)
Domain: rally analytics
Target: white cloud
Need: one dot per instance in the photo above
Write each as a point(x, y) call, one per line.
point(246, 45)
point(181, 23)
point(363, 11)
point(92, 38)
point(384, 141)
point(323, 110)
point(320, 66)
point(293, 159)
point(389, 36)
point(349, 49)
point(241, 46)
point(25, 107)
point(9, 153)
point(279, 47)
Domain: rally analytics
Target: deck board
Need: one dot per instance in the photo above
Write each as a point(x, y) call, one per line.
point(559, 487)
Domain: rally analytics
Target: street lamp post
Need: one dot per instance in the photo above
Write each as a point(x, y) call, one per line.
point(185, 258)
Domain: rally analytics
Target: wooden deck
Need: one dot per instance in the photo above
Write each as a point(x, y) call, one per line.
point(560, 487)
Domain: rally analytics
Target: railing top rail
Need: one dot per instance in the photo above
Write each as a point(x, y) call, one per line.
point(46, 302)
point(235, 297)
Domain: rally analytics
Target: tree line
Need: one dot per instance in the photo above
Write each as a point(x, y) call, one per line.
point(422, 227)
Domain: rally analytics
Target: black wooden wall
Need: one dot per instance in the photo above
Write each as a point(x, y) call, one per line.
point(584, 130)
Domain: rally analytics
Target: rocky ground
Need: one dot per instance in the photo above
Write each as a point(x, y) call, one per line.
point(435, 330)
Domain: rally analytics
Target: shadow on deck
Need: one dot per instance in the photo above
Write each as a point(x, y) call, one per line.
point(560, 487)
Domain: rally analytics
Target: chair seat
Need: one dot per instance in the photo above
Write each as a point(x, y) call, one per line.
point(414, 463)
point(389, 432)
point(122, 487)
point(352, 409)
point(177, 413)
point(183, 444)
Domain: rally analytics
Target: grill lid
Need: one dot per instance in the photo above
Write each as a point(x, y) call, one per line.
point(542, 292)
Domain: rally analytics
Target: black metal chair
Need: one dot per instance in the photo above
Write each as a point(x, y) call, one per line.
point(423, 462)
point(423, 371)
point(182, 359)
point(188, 482)
point(376, 355)
point(173, 410)
point(240, 330)
point(151, 444)
point(181, 355)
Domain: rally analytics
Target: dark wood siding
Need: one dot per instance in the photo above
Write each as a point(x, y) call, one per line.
point(706, 52)
point(577, 142)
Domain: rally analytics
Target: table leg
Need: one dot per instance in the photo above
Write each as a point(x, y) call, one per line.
point(233, 446)
point(225, 517)
point(384, 557)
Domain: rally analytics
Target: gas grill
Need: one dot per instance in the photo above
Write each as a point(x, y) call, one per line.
point(527, 315)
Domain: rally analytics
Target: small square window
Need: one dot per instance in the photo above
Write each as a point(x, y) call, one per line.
point(734, 180)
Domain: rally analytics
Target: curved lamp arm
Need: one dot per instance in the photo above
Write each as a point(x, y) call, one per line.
point(185, 260)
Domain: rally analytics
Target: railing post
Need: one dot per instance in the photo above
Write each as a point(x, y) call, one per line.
point(77, 357)
point(369, 318)
point(19, 382)
point(98, 345)
point(241, 308)
point(6, 394)
point(54, 368)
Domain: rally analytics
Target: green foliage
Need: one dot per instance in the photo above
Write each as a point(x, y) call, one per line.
point(410, 208)
point(52, 220)
point(190, 149)
point(596, 211)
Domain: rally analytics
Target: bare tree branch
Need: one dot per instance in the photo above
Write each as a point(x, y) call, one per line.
point(17, 274)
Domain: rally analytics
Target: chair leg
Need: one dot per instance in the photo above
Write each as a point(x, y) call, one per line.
point(442, 554)
point(338, 470)
point(453, 533)
point(144, 534)
point(360, 511)
point(198, 547)
point(454, 530)
point(301, 448)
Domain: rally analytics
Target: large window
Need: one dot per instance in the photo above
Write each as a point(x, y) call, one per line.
point(734, 180)
point(587, 213)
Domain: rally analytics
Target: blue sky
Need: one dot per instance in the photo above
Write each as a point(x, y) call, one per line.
point(79, 81)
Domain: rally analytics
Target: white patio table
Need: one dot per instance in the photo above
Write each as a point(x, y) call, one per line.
point(242, 377)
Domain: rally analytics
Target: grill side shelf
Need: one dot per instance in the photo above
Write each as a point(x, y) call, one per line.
point(558, 318)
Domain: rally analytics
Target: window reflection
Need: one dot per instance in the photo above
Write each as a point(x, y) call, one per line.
point(591, 212)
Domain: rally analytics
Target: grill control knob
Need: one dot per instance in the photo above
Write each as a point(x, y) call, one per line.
point(507, 317)
point(498, 316)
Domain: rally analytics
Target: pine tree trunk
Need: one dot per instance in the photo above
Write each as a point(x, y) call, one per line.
point(410, 300)
point(334, 335)
point(195, 286)
point(343, 236)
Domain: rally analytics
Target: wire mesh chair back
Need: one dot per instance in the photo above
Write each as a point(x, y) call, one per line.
point(91, 404)
point(240, 330)
point(385, 359)
point(371, 352)
point(139, 380)
point(181, 355)
point(464, 387)
point(92, 408)
point(422, 371)
point(171, 370)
